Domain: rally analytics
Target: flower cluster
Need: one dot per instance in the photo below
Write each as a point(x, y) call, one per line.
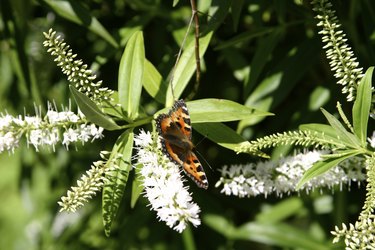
point(282, 176)
point(65, 127)
point(89, 184)
point(78, 74)
point(163, 185)
point(342, 61)
point(358, 236)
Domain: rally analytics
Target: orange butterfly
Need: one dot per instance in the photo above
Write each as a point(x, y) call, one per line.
point(175, 132)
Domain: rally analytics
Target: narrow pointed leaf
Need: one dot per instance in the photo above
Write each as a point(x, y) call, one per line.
point(154, 83)
point(220, 134)
point(281, 211)
point(77, 13)
point(325, 133)
point(220, 110)
point(92, 112)
point(186, 68)
point(361, 107)
point(116, 181)
point(236, 12)
point(137, 186)
point(348, 138)
point(130, 77)
point(322, 166)
point(279, 234)
point(272, 234)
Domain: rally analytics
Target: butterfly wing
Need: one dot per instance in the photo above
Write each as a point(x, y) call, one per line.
point(181, 118)
point(194, 170)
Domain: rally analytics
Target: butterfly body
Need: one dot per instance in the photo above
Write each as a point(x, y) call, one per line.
point(175, 136)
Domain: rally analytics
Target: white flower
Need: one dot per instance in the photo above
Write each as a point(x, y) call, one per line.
point(164, 187)
point(372, 140)
point(90, 183)
point(8, 141)
point(282, 177)
point(46, 131)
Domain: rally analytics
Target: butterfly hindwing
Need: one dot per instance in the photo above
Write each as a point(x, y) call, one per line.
point(193, 168)
point(175, 131)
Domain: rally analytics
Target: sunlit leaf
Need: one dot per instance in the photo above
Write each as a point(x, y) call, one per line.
point(361, 107)
point(137, 186)
point(130, 77)
point(116, 180)
point(92, 112)
point(153, 83)
point(325, 133)
point(220, 110)
point(323, 166)
point(348, 138)
point(186, 68)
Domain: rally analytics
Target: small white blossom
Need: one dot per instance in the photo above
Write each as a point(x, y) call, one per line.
point(77, 72)
point(371, 140)
point(48, 131)
point(281, 177)
point(8, 141)
point(164, 187)
point(90, 183)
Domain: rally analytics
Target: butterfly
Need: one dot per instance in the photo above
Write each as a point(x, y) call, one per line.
point(175, 136)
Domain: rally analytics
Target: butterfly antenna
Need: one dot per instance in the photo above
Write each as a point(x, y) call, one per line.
point(200, 141)
point(180, 53)
point(197, 57)
point(201, 156)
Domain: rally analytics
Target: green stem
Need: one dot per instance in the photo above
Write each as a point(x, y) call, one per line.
point(138, 123)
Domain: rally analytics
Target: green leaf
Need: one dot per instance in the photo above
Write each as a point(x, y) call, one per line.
point(281, 80)
point(220, 110)
point(137, 23)
point(92, 112)
point(279, 234)
point(220, 134)
point(280, 211)
point(175, 2)
point(130, 77)
point(322, 166)
point(325, 133)
point(236, 12)
point(114, 188)
point(348, 138)
point(361, 107)
point(137, 186)
point(185, 68)
point(319, 96)
point(112, 108)
point(77, 13)
point(264, 50)
point(274, 234)
point(153, 83)
point(220, 224)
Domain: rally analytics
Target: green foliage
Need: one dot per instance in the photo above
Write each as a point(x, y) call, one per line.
point(130, 75)
point(114, 188)
point(257, 58)
point(92, 112)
